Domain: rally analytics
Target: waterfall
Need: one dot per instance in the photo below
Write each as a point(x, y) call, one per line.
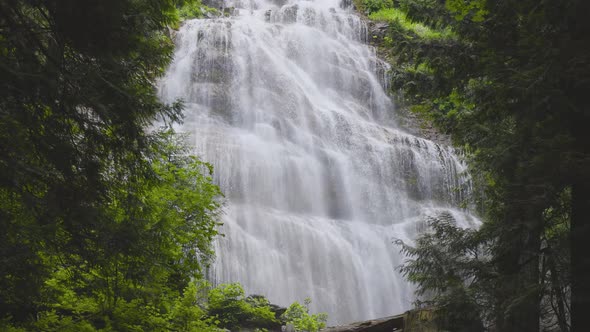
point(285, 99)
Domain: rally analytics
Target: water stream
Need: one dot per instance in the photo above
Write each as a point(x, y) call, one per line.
point(288, 103)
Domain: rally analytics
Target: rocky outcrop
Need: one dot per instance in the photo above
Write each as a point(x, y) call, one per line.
point(411, 321)
point(411, 122)
point(419, 126)
point(387, 324)
point(377, 32)
point(345, 3)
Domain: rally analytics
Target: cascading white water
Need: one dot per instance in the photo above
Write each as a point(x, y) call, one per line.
point(284, 100)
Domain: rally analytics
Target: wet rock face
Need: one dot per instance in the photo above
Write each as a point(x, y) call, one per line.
point(280, 3)
point(290, 14)
point(345, 4)
point(213, 3)
point(377, 31)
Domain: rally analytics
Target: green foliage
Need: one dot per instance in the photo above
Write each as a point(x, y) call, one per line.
point(104, 223)
point(372, 6)
point(398, 17)
point(190, 10)
point(476, 9)
point(188, 312)
point(452, 270)
point(505, 90)
point(73, 312)
point(194, 9)
point(229, 305)
point(76, 94)
point(298, 315)
point(154, 238)
point(427, 12)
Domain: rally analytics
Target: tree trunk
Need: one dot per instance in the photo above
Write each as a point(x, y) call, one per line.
point(557, 290)
point(580, 259)
point(519, 267)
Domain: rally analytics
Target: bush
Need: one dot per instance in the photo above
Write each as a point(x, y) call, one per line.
point(229, 305)
point(371, 6)
point(298, 315)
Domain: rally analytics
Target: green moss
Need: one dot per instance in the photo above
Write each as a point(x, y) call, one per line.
point(195, 9)
point(397, 16)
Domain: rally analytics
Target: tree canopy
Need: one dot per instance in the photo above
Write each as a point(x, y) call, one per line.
point(104, 222)
point(506, 79)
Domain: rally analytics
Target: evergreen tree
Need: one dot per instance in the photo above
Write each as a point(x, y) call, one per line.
point(508, 84)
point(101, 220)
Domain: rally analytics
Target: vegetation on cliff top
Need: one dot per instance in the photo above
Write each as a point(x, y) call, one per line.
point(396, 16)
